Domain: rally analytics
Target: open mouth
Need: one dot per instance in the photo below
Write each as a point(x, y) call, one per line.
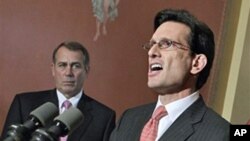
point(155, 67)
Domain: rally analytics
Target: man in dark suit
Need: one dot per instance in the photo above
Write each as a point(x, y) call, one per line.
point(180, 55)
point(69, 68)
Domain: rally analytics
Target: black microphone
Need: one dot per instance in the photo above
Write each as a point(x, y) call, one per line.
point(37, 118)
point(62, 125)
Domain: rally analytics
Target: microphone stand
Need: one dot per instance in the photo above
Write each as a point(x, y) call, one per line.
point(22, 132)
point(52, 134)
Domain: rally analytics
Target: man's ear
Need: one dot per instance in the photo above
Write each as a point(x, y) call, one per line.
point(52, 69)
point(198, 63)
point(87, 68)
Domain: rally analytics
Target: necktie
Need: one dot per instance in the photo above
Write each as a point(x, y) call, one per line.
point(66, 104)
point(149, 132)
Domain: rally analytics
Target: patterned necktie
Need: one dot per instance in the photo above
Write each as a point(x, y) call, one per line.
point(149, 132)
point(66, 104)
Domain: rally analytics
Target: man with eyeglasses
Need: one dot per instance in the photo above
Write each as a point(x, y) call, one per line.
point(180, 56)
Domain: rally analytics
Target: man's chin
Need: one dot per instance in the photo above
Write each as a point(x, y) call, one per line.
point(159, 90)
point(70, 92)
point(153, 86)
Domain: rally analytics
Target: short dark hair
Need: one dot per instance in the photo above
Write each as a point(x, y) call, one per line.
point(200, 40)
point(74, 46)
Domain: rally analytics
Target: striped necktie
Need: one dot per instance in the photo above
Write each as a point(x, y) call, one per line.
point(149, 132)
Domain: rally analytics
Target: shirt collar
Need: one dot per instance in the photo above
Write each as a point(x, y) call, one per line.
point(74, 100)
point(176, 108)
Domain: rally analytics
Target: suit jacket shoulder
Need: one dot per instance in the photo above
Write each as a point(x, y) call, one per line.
point(24, 103)
point(98, 123)
point(132, 122)
point(85, 100)
point(99, 120)
point(198, 122)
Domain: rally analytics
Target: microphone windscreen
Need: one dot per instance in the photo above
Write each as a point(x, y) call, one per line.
point(71, 118)
point(45, 113)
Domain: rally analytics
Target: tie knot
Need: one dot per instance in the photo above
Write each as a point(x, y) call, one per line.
point(66, 104)
point(159, 113)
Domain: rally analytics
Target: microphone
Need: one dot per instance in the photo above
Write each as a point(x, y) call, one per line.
point(37, 118)
point(62, 125)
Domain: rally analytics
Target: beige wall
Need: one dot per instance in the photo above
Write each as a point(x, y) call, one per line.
point(237, 100)
point(232, 78)
point(241, 106)
point(224, 55)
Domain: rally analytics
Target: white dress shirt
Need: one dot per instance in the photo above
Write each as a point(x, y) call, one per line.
point(73, 100)
point(174, 109)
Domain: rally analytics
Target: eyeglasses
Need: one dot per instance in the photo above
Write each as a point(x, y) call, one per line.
point(164, 44)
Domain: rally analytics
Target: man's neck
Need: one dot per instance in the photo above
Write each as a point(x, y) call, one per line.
point(168, 98)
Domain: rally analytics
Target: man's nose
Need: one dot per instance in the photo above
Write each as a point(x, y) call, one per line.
point(69, 71)
point(154, 51)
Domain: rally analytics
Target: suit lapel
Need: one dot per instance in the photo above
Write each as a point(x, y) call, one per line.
point(141, 120)
point(182, 128)
point(84, 106)
point(53, 97)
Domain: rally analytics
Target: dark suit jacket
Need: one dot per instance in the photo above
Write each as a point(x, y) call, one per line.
point(98, 123)
point(197, 123)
